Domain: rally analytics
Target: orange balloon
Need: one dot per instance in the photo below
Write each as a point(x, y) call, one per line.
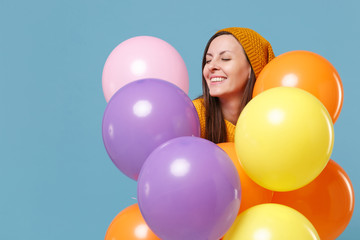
point(129, 224)
point(308, 71)
point(251, 193)
point(328, 201)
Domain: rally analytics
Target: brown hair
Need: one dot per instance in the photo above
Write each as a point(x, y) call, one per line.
point(215, 128)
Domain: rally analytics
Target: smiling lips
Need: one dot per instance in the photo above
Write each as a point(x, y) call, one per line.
point(217, 79)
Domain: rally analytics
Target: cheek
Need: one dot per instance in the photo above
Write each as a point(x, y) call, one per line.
point(205, 72)
point(243, 72)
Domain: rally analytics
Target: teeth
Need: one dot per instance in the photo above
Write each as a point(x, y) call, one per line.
point(217, 79)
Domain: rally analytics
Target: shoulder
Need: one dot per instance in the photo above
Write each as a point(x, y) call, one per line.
point(200, 109)
point(198, 103)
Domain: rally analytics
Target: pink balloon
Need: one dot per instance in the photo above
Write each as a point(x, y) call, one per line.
point(143, 57)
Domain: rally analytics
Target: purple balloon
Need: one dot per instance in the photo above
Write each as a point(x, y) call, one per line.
point(189, 188)
point(141, 116)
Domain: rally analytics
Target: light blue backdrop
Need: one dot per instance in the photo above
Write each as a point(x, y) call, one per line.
point(56, 179)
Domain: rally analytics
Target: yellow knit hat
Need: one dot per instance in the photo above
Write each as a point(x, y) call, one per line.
point(257, 48)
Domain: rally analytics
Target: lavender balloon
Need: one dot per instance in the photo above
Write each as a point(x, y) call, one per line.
point(189, 188)
point(141, 116)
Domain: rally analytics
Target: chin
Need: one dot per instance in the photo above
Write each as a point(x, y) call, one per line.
point(216, 95)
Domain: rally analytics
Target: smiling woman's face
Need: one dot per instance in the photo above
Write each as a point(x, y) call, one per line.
point(227, 69)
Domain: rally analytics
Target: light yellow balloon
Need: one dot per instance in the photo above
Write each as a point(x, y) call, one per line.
point(271, 221)
point(284, 138)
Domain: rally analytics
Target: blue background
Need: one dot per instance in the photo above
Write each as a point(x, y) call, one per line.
point(56, 179)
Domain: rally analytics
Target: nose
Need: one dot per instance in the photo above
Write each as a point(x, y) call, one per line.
point(213, 66)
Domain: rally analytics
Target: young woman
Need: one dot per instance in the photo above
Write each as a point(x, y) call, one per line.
point(233, 59)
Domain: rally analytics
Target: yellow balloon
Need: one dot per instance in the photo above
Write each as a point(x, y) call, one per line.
point(271, 221)
point(284, 138)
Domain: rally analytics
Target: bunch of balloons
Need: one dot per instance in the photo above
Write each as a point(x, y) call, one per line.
point(276, 181)
point(188, 187)
point(284, 139)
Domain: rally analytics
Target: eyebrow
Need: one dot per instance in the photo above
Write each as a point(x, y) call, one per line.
point(209, 54)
